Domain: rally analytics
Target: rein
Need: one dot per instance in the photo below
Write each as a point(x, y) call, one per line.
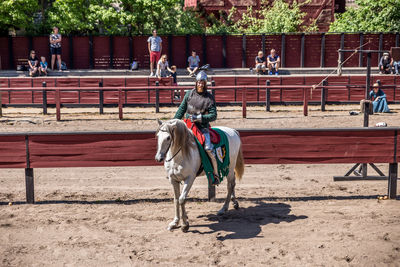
point(179, 150)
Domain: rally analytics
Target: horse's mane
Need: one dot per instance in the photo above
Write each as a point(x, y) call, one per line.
point(183, 137)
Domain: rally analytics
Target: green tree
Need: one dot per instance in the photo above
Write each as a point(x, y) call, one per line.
point(167, 16)
point(273, 16)
point(85, 16)
point(369, 16)
point(17, 14)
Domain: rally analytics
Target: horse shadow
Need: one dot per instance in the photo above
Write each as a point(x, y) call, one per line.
point(246, 223)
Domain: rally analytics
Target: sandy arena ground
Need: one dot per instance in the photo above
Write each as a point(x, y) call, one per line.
point(290, 215)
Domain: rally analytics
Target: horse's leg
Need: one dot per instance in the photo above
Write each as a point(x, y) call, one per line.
point(230, 187)
point(233, 196)
point(175, 223)
point(182, 201)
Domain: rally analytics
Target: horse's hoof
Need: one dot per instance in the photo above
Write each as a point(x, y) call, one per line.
point(185, 228)
point(172, 227)
point(221, 212)
point(236, 205)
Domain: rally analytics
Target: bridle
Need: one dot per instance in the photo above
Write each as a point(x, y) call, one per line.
point(169, 146)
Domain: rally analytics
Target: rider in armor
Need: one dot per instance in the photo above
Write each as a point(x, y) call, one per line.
point(199, 106)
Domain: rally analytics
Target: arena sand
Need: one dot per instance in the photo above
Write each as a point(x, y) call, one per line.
point(290, 215)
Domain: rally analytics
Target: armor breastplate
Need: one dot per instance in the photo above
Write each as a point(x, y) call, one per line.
point(199, 104)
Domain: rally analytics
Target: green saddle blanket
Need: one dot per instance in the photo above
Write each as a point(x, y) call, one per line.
point(221, 151)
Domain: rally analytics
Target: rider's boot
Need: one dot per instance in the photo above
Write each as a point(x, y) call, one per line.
point(213, 159)
point(208, 147)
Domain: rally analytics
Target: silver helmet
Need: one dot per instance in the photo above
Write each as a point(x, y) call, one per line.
point(201, 76)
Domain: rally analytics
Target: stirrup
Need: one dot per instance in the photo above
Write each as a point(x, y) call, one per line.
point(217, 180)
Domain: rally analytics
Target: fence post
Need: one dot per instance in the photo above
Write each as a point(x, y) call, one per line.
point(91, 58)
point(71, 51)
point(263, 43)
point(380, 45)
point(101, 98)
point(120, 104)
point(244, 51)
point(302, 43)
point(170, 45)
point(305, 102)
point(360, 59)
point(323, 95)
point(29, 181)
point(187, 49)
point(244, 103)
point(392, 186)
point(283, 50)
point(130, 50)
point(341, 54)
point(397, 40)
point(11, 52)
point(268, 96)
point(224, 63)
point(58, 105)
point(158, 97)
point(204, 47)
point(112, 52)
point(323, 50)
point(44, 95)
point(213, 89)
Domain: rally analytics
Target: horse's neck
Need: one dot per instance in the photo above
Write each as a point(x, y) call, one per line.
point(176, 152)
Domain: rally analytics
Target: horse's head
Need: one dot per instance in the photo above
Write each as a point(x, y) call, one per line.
point(165, 138)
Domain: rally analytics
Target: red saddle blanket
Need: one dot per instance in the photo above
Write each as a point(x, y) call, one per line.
point(215, 138)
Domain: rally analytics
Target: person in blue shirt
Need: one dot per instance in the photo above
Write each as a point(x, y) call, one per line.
point(379, 99)
point(43, 66)
point(273, 62)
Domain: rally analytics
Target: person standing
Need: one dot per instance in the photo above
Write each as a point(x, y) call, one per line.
point(154, 44)
point(55, 48)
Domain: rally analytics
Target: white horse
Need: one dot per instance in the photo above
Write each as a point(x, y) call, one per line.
point(178, 149)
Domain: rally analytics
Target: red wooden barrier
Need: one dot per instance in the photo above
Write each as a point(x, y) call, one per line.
point(13, 151)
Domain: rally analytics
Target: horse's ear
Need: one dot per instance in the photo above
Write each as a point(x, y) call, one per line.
point(159, 122)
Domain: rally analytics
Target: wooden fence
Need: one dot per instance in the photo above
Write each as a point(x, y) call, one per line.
point(220, 51)
point(278, 146)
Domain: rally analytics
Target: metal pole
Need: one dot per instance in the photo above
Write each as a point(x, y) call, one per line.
point(323, 95)
point(367, 86)
point(268, 96)
point(101, 98)
point(392, 181)
point(380, 45)
point(204, 46)
point(130, 49)
point(305, 102)
point(157, 97)
point(244, 103)
point(29, 182)
point(120, 104)
point(11, 52)
point(360, 59)
point(58, 105)
point(213, 90)
point(44, 95)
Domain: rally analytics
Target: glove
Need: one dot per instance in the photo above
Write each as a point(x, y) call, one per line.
point(196, 118)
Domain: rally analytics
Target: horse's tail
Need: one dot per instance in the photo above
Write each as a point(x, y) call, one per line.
point(239, 168)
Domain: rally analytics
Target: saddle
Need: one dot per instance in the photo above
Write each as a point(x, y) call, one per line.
point(214, 136)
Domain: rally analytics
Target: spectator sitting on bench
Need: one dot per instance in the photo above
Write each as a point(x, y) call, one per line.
point(163, 69)
point(273, 62)
point(385, 64)
point(43, 66)
point(260, 62)
point(379, 99)
point(193, 61)
point(33, 63)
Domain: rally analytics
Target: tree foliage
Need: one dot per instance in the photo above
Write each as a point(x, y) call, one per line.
point(369, 16)
point(17, 14)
